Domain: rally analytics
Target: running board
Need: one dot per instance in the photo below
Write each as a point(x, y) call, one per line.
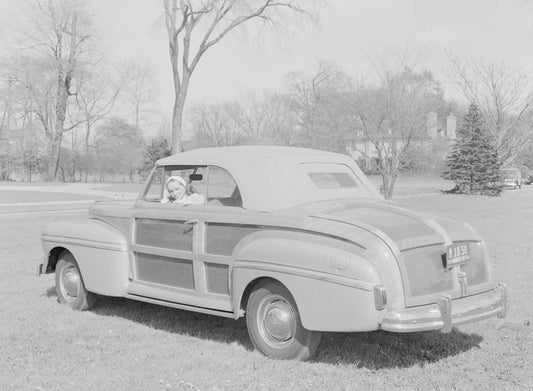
point(186, 307)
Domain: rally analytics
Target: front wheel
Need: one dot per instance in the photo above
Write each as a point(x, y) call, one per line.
point(69, 284)
point(274, 324)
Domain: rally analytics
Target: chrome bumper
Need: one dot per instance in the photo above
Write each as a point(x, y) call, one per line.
point(447, 313)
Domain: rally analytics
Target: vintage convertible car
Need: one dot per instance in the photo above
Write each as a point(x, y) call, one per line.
point(296, 240)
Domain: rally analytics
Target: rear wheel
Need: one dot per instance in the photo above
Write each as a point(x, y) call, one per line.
point(69, 284)
point(274, 324)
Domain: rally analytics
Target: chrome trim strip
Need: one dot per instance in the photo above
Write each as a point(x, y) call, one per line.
point(380, 234)
point(306, 273)
point(84, 242)
point(181, 306)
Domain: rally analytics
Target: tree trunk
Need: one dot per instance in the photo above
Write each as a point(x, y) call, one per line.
point(54, 152)
point(87, 161)
point(177, 114)
point(63, 89)
point(137, 119)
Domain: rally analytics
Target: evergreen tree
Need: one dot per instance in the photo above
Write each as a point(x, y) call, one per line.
point(473, 163)
point(157, 149)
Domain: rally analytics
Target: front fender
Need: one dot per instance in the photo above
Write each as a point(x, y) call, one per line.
point(330, 281)
point(102, 253)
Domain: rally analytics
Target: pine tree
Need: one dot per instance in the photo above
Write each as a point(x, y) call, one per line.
point(473, 163)
point(157, 149)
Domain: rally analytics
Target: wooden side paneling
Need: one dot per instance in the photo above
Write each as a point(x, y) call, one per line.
point(217, 278)
point(221, 239)
point(164, 270)
point(165, 234)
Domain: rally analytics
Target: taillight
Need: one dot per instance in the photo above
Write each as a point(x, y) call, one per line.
point(380, 297)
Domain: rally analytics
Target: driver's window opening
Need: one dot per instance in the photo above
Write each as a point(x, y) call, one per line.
point(178, 185)
point(184, 185)
point(194, 185)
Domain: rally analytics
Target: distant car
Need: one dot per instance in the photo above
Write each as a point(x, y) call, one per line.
point(526, 175)
point(512, 178)
point(297, 240)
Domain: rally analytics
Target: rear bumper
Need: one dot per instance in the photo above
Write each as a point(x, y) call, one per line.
point(447, 313)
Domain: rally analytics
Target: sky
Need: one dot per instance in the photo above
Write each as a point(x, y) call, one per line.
point(350, 32)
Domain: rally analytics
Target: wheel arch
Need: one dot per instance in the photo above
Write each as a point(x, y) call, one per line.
point(250, 288)
point(53, 258)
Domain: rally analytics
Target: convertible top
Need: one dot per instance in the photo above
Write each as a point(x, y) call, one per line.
point(272, 178)
point(241, 154)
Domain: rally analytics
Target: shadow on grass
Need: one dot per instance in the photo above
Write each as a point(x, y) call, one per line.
point(209, 327)
point(371, 350)
point(51, 292)
point(381, 349)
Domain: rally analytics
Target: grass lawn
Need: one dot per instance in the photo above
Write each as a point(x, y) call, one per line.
point(126, 345)
point(410, 185)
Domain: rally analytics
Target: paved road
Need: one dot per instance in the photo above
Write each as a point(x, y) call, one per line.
point(53, 199)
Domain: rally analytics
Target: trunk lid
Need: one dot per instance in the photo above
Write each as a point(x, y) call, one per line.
point(419, 243)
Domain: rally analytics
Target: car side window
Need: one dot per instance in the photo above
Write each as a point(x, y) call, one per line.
point(221, 188)
point(194, 176)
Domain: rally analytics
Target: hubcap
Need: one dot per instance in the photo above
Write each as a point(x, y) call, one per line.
point(276, 320)
point(70, 282)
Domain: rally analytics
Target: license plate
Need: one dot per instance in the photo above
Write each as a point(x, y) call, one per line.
point(457, 254)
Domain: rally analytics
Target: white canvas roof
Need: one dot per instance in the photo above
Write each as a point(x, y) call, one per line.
point(272, 178)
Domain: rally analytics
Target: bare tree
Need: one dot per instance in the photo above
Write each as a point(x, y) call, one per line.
point(320, 101)
point(58, 38)
point(503, 93)
point(114, 134)
point(195, 26)
point(6, 97)
point(278, 119)
point(139, 90)
point(96, 97)
point(214, 124)
point(391, 119)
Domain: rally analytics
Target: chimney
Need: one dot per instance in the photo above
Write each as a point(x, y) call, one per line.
point(451, 125)
point(431, 124)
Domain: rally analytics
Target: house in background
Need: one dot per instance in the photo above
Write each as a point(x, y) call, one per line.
point(363, 151)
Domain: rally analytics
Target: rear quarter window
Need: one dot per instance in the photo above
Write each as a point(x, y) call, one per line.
point(331, 176)
point(332, 180)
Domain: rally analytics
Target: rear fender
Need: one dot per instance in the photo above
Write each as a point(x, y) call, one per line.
point(331, 284)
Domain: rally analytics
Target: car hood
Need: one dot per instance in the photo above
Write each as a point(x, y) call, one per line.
point(400, 228)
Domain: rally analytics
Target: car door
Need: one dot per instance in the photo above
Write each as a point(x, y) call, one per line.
point(166, 245)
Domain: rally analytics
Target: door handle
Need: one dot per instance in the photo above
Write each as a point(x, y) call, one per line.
point(186, 230)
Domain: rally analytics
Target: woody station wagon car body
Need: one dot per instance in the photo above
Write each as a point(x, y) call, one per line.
point(297, 240)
